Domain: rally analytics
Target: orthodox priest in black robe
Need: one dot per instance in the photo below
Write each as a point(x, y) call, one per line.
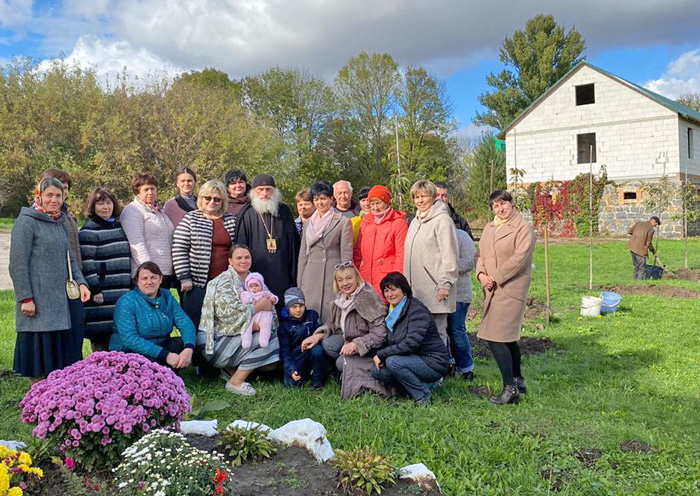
point(267, 227)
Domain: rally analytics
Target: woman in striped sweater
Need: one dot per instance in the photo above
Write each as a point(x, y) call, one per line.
point(106, 265)
point(201, 244)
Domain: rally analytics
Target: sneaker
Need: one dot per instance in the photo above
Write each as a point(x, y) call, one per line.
point(468, 376)
point(244, 389)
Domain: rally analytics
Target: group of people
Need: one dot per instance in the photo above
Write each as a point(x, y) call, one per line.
point(348, 287)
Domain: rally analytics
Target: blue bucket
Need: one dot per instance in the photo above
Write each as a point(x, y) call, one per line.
point(610, 301)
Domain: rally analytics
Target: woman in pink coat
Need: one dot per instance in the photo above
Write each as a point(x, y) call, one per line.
point(380, 243)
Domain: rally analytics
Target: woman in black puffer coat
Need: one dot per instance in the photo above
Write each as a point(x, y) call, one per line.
point(415, 356)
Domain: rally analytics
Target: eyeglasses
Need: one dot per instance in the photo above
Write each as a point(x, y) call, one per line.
point(343, 265)
point(211, 199)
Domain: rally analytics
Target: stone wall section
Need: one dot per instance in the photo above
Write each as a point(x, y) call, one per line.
point(617, 214)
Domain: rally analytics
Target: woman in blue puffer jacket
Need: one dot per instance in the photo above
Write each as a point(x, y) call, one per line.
point(144, 319)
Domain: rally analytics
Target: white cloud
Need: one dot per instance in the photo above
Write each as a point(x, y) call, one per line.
point(110, 57)
point(471, 133)
point(15, 13)
point(682, 76)
point(244, 37)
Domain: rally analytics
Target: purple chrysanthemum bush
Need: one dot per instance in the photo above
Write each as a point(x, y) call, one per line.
point(96, 408)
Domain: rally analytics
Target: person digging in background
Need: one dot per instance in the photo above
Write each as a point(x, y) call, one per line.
point(640, 244)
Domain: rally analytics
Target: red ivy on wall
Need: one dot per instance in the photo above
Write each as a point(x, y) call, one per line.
point(554, 206)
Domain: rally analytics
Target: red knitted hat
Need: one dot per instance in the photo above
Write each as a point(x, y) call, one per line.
point(381, 192)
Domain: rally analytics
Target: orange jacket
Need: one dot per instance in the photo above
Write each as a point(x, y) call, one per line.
point(379, 248)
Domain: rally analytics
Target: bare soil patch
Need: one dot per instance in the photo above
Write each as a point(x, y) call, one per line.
point(481, 392)
point(587, 456)
point(653, 290)
point(635, 446)
point(685, 274)
point(294, 472)
point(556, 478)
point(528, 346)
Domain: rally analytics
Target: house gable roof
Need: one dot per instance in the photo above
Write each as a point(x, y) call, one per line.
point(674, 106)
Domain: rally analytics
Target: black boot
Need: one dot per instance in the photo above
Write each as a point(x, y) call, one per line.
point(510, 394)
point(522, 387)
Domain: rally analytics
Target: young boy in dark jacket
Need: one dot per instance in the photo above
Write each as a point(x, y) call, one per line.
point(296, 324)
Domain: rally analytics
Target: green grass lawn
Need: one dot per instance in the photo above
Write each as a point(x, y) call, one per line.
point(7, 222)
point(632, 375)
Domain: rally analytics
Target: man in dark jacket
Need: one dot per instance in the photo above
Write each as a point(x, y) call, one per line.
point(267, 227)
point(640, 244)
point(443, 193)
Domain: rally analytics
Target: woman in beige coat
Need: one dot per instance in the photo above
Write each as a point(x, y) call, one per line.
point(504, 269)
point(430, 255)
point(354, 331)
point(326, 241)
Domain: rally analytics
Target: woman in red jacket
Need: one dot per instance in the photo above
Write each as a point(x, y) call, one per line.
point(380, 243)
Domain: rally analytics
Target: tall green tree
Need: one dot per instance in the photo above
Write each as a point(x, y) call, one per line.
point(485, 159)
point(367, 85)
point(535, 59)
point(426, 123)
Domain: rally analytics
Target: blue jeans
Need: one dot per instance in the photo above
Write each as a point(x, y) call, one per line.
point(411, 372)
point(457, 330)
point(315, 361)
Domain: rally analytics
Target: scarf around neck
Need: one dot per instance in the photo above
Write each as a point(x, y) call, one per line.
point(317, 226)
point(343, 302)
point(379, 218)
point(40, 208)
point(394, 314)
point(188, 203)
point(498, 222)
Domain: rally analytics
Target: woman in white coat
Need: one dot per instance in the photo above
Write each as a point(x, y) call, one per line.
point(431, 253)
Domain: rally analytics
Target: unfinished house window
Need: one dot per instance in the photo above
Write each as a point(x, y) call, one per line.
point(630, 196)
point(690, 142)
point(583, 144)
point(585, 94)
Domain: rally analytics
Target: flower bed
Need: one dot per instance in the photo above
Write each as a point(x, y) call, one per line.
point(94, 409)
point(16, 471)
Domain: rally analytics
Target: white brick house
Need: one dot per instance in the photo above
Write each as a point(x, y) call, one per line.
point(635, 133)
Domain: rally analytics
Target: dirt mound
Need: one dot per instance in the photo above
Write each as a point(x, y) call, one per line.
point(658, 290)
point(635, 446)
point(528, 346)
point(686, 274)
point(293, 472)
point(587, 456)
point(480, 391)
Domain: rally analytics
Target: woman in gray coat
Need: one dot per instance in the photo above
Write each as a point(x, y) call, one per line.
point(39, 257)
point(326, 241)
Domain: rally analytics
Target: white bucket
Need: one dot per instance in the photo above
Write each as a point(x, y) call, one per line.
point(590, 306)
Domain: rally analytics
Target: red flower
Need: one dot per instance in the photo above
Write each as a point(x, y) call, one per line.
point(219, 490)
point(221, 475)
point(70, 464)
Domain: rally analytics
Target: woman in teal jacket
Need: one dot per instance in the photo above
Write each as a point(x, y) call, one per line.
point(144, 318)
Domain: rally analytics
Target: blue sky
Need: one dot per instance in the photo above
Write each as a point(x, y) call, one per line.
point(654, 43)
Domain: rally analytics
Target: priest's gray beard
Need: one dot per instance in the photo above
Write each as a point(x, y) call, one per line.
point(269, 206)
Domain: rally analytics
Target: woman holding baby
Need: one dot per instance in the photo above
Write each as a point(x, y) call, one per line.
point(226, 318)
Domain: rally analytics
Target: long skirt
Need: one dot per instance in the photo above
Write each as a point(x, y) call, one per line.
point(228, 352)
point(37, 354)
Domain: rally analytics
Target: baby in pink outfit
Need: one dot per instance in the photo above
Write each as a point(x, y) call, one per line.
point(255, 291)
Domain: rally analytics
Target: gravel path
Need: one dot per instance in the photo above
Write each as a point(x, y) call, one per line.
point(5, 281)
